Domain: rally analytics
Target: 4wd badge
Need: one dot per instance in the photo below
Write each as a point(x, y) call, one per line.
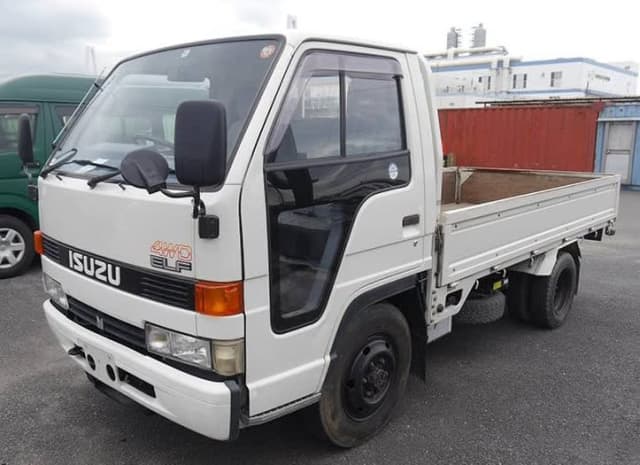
point(171, 257)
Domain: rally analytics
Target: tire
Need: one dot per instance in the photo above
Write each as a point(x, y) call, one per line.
point(16, 246)
point(481, 310)
point(552, 296)
point(367, 376)
point(518, 296)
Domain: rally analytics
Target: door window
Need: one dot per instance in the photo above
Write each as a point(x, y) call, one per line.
point(373, 117)
point(64, 112)
point(338, 139)
point(314, 122)
point(9, 115)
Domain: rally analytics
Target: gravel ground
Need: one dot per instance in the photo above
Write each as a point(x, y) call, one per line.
point(502, 393)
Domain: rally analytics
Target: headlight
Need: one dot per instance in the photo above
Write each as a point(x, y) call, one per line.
point(55, 291)
point(224, 357)
point(178, 346)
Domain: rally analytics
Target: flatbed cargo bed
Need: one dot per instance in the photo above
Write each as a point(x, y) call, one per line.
point(491, 219)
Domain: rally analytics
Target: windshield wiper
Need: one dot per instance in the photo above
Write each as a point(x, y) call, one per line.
point(78, 162)
point(94, 181)
point(63, 160)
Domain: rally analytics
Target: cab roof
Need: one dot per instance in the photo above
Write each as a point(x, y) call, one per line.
point(296, 37)
point(60, 88)
point(292, 38)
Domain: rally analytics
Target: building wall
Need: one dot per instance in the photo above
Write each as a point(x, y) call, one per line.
point(607, 81)
point(466, 84)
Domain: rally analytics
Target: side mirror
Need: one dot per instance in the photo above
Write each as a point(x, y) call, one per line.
point(25, 144)
point(201, 143)
point(145, 169)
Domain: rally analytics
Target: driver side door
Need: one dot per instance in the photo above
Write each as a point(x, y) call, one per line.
point(334, 205)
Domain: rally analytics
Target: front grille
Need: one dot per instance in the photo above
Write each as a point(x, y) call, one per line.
point(170, 290)
point(51, 249)
point(166, 291)
point(112, 328)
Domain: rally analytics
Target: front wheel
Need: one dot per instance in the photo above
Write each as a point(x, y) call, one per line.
point(16, 246)
point(367, 377)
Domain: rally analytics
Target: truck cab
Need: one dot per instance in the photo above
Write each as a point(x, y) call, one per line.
point(240, 228)
point(49, 101)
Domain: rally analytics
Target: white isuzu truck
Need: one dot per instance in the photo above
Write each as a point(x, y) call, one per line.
point(235, 229)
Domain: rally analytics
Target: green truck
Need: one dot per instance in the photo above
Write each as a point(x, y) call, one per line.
point(49, 101)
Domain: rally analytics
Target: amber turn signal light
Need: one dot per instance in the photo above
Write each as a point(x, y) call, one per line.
point(37, 242)
point(219, 299)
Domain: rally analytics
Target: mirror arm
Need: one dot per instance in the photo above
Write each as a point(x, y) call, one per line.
point(176, 195)
point(198, 205)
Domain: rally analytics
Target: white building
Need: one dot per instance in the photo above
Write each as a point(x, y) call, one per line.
point(464, 77)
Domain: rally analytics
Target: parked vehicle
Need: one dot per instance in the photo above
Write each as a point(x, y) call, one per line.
point(236, 229)
point(49, 101)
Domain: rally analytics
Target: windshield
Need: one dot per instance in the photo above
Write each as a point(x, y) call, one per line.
point(136, 106)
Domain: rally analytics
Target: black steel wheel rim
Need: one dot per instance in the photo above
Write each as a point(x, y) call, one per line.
point(370, 377)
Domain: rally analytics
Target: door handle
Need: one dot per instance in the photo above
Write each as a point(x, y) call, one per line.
point(410, 220)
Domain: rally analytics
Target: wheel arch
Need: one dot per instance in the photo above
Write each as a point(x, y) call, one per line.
point(408, 295)
point(543, 264)
point(22, 215)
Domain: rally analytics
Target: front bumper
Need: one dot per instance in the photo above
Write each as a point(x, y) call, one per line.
point(206, 407)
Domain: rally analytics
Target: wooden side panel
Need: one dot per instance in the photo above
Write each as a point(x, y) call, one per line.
point(487, 186)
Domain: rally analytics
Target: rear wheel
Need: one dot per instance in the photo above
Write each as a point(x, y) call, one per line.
point(368, 376)
point(552, 296)
point(16, 246)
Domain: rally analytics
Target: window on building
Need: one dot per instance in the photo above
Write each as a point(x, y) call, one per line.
point(520, 81)
point(486, 82)
point(556, 79)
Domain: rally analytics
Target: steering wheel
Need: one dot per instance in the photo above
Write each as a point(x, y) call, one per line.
point(155, 140)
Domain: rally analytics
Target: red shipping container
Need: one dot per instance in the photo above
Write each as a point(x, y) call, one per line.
point(546, 137)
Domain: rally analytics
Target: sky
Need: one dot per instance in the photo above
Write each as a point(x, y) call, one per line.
point(53, 35)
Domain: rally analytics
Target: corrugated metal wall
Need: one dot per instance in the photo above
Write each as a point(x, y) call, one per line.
point(612, 114)
point(547, 137)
